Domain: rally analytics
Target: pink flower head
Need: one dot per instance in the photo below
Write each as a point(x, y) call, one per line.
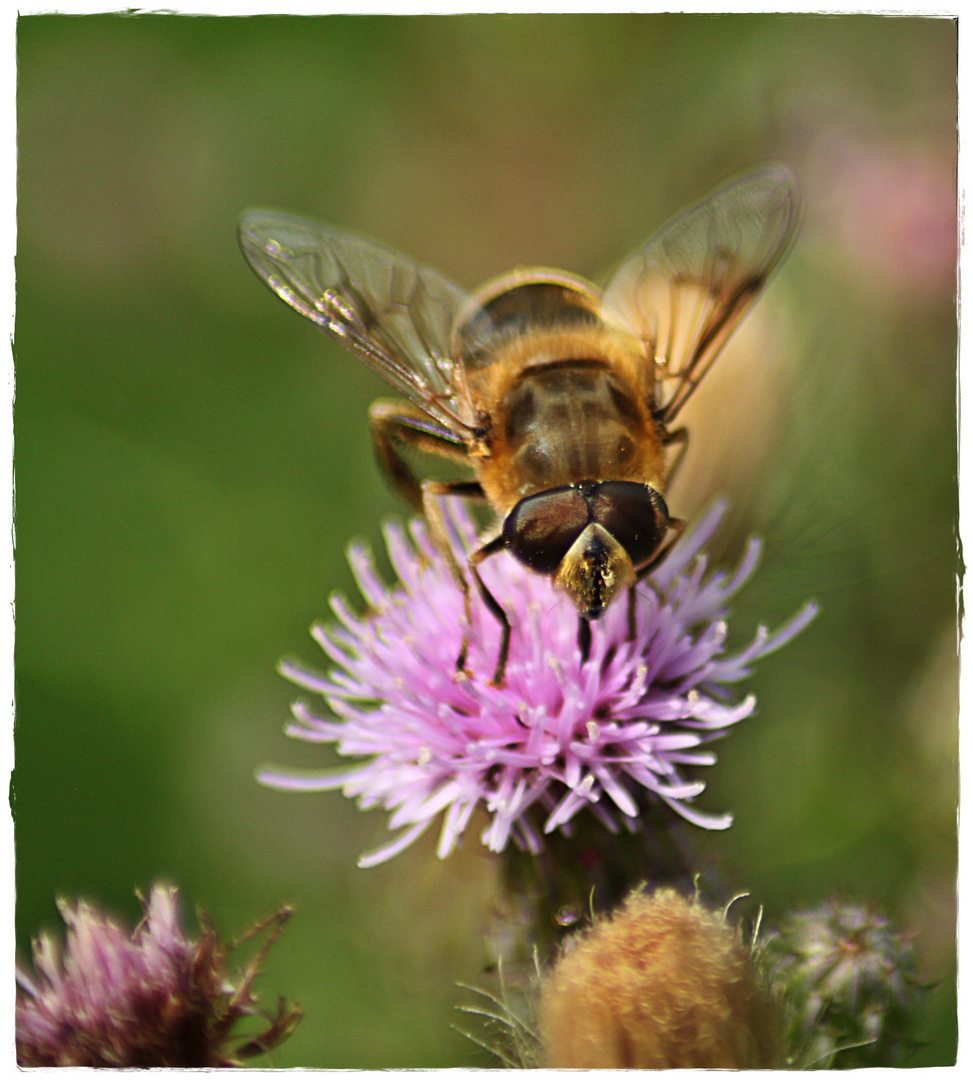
point(117, 999)
point(561, 735)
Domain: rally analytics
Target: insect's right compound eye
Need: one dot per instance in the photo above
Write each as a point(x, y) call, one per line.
point(635, 514)
point(541, 528)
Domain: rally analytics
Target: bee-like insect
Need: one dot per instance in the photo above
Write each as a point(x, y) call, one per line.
point(560, 396)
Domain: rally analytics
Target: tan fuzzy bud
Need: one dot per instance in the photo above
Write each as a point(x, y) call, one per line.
point(662, 984)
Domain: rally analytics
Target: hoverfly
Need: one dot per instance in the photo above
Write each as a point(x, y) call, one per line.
point(559, 395)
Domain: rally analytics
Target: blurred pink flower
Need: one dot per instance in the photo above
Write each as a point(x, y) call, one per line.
point(136, 1000)
point(560, 736)
point(891, 208)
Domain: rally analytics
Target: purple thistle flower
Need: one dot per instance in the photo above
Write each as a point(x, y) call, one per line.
point(146, 999)
point(560, 736)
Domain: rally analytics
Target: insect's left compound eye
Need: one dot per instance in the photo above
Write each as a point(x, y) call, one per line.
point(541, 528)
point(635, 514)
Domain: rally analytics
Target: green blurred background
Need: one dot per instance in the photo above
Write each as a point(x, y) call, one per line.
point(192, 458)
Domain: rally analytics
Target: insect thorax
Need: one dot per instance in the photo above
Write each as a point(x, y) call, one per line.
point(566, 406)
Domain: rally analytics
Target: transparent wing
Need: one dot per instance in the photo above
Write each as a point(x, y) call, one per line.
point(390, 312)
point(686, 290)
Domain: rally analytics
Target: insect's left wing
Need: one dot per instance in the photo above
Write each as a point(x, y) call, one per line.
point(685, 291)
point(390, 312)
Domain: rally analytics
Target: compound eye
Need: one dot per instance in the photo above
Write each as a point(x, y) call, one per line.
point(635, 514)
point(541, 528)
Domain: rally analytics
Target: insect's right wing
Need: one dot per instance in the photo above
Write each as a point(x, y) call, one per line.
point(387, 310)
point(686, 290)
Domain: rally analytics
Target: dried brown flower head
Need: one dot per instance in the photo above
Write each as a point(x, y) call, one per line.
point(661, 984)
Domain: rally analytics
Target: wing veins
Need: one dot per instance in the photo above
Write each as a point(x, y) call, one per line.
point(724, 249)
point(713, 336)
point(393, 314)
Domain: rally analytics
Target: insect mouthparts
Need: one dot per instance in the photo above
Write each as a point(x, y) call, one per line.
point(595, 567)
point(601, 577)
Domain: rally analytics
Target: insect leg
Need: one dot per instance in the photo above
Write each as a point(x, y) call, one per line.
point(431, 493)
point(680, 439)
point(493, 605)
point(397, 424)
